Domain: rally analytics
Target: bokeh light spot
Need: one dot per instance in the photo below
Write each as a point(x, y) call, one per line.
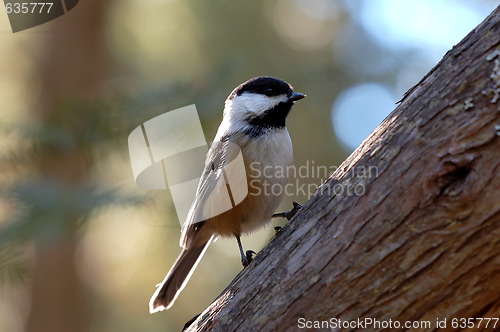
point(359, 110)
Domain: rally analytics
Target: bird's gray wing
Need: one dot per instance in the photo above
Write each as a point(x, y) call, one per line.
point(224, 165)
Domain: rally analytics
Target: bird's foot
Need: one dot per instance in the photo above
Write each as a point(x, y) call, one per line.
point(289, 214)
point(277, 229)
point(248, 258)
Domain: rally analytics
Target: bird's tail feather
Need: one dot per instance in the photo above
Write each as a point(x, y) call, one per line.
point(178, 276)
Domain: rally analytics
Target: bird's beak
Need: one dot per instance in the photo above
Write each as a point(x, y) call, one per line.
point(296, 96)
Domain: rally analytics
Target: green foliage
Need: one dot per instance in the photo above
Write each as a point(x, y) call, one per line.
point(48, 209)
point(14, 268)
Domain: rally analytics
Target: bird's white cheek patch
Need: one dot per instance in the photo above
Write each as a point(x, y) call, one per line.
point(257, 103)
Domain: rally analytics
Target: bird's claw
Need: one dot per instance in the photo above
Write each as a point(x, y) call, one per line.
point(289, 214)
point(295, 209)
point(277, 229)
point(249, 254)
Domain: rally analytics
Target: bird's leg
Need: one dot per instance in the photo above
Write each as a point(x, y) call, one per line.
point(289, 214)
point(247, 257)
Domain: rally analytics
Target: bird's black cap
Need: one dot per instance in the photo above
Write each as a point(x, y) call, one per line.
point(266, 85)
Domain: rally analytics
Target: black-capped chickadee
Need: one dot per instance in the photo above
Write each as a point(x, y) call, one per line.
point(233, 196)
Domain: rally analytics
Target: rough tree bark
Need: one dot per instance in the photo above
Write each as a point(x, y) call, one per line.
point(422, 242)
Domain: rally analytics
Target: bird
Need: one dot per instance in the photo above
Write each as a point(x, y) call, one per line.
point(251, 142)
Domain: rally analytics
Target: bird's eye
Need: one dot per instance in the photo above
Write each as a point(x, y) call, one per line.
point(269, 92)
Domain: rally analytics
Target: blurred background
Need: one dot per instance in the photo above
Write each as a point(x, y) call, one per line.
point(81, 246)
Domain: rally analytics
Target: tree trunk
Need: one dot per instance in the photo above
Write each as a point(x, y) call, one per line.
point(71, 71)
point(408, 227)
